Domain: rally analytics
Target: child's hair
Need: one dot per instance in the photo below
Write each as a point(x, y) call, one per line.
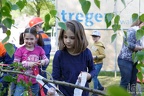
point(33, 31)
point(77, 28)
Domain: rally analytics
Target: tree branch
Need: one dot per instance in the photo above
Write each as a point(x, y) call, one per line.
point(57, 82)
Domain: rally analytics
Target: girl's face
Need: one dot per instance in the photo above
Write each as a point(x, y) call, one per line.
point(29, 40)
point(69, 39)
point(95, 38)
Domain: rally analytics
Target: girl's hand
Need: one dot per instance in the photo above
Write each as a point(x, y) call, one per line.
point(51, 92)
point(30, 64)
point(41, 62)
point(88, 75)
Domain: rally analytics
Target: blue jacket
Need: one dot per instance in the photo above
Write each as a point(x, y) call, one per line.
point(47, 43)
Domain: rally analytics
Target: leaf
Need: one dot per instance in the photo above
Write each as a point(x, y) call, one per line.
point(138, 66)
point(15, 7)
point(53, 13)
point(5, 11)
point(81, 1)
point(85, 6)
point(62, 25)
point(113, 37)
point(142, 69)
point(108, 18)
point(134, 57)
point(123, 1)
point(140, 55)
point(8, 32)
point(21, 4)
point(46, 26)
point(8, 78)
point(47, 18)
point(8, 22)
point(117, 91)
point(140, 76)
point(52, 22)
point(139, 34)
point(142, 18)
point(134, 17)
point(97, 3)
point(117, 19)
point(5, 39)
point(10, 49)
point(8, 4)
point(46, 23)
point(115, 27)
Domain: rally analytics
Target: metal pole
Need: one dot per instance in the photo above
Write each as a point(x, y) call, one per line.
point(115, 44)
point(56, 26)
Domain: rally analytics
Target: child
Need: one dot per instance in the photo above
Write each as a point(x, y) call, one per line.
point(30, 55)
point(72, 58)
point(37, 23)
point(97, 50)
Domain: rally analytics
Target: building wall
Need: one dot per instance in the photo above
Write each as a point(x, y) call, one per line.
point(94, 20)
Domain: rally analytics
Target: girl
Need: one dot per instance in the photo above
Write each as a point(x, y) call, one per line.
point(30, 56)
point(72, 58)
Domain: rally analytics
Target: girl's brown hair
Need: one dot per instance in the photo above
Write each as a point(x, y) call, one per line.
point(81, 42)
point(34, 32)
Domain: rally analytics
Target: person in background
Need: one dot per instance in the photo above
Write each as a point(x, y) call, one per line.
point(37, 22)
point(126, 64)
point(4, 59)
point(73, 58)
point(31, 56)
point(98, 53)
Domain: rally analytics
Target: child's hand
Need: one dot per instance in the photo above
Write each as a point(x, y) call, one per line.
point(51, 92)
point(41, 62)
point(31, 64)
point(88, 75)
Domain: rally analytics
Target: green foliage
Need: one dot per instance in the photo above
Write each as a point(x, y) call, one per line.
point(46, 23)
point(117, 91)
point(140, 76)
point(8, 22)
point(113, 37)
point(141, 17)
point(53, 13)
point(10, 49)
point(123, 1)
point(140, 33)
point(21, 4)
point(85, 5)
point(97, 3)
point(134, 17)
point(62, 25)
point(108, 19)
